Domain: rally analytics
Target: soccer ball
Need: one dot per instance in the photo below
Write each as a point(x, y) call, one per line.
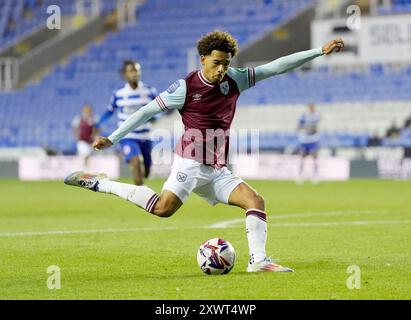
point(216, 256)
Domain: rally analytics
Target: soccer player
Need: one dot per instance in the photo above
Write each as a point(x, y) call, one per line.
point(84, 129)
point(206, 100)
point(309, 140)
point(136, 145)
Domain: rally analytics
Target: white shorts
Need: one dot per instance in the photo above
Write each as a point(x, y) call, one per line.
point(211, 184)
point(84, 149)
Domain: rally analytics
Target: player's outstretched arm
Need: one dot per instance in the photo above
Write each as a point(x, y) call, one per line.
point(295, 60)
point(173, 98)
point(104, 118)
point(336, 44)
point(135, 120)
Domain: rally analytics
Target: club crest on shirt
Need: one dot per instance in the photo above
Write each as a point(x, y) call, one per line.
point(224, 87)
point(181, 176)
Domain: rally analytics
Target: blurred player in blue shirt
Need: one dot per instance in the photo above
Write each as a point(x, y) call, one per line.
point(136, 146)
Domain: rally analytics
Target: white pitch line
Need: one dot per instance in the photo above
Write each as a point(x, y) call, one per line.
point(229, 223)
point(293, 225)
point(226, 224)
point(91, 231)
point(340, 223)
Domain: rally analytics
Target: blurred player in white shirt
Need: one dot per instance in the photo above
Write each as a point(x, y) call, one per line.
point(309, 141)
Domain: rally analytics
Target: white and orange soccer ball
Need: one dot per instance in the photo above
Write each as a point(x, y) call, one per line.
point(216, 256)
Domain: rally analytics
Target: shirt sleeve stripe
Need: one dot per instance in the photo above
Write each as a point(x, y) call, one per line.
point(161, 103)
point(251, 77)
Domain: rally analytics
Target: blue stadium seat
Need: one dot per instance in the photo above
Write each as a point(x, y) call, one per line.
point(14, 24)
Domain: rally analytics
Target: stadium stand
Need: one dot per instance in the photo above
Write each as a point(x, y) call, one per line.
point(396, 7)
point(19, 18)
point(349, 124)
point(160, 41)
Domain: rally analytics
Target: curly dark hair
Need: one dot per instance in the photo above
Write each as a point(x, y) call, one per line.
point(217, 40)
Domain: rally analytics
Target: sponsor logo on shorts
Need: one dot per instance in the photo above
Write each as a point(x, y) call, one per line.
point(181, 176)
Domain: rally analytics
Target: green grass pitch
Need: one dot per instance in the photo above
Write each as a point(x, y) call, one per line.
point(107, 248)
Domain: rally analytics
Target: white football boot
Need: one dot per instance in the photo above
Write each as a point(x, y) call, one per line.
point(267, 265)
point(84, 180)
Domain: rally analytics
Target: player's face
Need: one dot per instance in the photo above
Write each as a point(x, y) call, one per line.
point(87, 111)
point(311, 107)
point(215, 65)
point(132, 73)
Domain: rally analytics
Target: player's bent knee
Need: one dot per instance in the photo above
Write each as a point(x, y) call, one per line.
point(167, 204)
point(257, 202)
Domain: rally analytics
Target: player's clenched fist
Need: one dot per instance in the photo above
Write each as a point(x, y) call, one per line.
point(336, 44)
point(101, 143)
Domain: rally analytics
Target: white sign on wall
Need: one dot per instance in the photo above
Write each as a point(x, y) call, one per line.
point(378, 40)
point(58, 167)
point(287, 167)
point(394, 168)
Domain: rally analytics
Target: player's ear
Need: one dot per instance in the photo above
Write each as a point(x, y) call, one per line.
point(202, 59)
